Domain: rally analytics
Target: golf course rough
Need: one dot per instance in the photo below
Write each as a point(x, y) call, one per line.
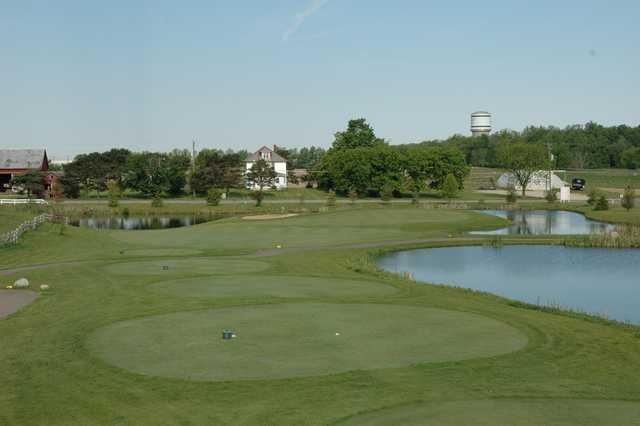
point(298, 340)
point(182, 267)
point(554, 412)
point(271, 286)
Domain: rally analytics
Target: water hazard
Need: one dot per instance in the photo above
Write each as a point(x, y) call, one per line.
point(545, 222)
point(597, 281)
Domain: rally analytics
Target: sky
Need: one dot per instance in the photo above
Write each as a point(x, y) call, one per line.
point(79, 76)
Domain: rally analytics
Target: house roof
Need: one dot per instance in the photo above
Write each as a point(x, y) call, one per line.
point(275, 157)
point(22, 158)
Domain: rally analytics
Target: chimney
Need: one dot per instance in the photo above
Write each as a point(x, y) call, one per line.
point(275, 148)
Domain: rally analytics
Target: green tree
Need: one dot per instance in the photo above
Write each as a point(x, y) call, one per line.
point(217, 169)
point(601, 203)
point(450, 186)
point(261, 176)
point(386, 193)
point(523, 161)
point(359, 134)
point(32, 182)
point(628, 198)
point(115, 193)
point(331, 199)
point(214, 196)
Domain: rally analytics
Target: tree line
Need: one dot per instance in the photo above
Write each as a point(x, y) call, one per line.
point(574, 147)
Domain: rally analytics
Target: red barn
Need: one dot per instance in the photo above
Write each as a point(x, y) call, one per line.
point(16, 161)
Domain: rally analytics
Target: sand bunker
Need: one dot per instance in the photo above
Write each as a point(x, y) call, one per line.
point(269, 216)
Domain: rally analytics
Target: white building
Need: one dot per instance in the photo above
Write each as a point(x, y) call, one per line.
point(278, 163)
point(539, 181)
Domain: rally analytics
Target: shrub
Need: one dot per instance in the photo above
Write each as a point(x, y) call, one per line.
point(450, 186)
point(601, 204)
point(331, 199)
point(157, 200)
point(512, 196)
point(592, 195)
point(214, 195)
point(628, 198)
point(126, 212)
point(258, 196)
point(386, 193)
point(552, 195)
point(353, 196)
point(114, 193)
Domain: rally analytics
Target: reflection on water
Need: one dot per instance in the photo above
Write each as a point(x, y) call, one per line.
point(132, 223)
point(545, 222)
point(597, 281)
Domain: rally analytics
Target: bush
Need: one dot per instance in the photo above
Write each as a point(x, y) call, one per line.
point(450, 186)
point(512, 196)
point(592, 195)
point(258, 196)
point(214, 195)
point(331, 199)
point(353, 196)
point(551, 196)
point(157, 200)
point(601, 204)
point(386, 193)
point(628, 198)
point(114, 192)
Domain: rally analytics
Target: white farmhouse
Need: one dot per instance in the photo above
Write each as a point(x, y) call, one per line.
point(278, 163)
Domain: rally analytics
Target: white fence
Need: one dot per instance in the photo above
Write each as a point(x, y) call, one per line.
point(15, 201)
point(13, 236)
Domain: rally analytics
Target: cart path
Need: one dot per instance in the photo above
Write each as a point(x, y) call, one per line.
point(13, 300)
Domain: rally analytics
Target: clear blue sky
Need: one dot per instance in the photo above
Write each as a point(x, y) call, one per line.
point(79, 76)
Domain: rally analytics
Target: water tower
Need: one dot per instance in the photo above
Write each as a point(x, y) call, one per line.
point(480, 123)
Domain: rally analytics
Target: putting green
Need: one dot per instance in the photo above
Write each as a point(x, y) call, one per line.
point(198, 265)
point(294, 340)
point(273, 286)
point(506, 412)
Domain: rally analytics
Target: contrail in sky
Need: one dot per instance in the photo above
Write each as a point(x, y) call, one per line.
point(315, 6)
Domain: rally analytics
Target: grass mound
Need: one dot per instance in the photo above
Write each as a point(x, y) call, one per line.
point(505, 412)
point(180, 267)
point(270, 286)
point(295, 340)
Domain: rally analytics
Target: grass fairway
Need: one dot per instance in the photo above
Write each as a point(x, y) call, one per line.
point(294, 340)
point(254, 286)
point(121, 340)
point(505, 412)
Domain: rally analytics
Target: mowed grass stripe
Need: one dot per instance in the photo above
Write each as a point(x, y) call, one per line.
point(256, 286)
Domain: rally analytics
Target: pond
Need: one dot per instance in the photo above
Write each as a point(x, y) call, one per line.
point(545, 222)
point(596, 281)
point(134, 223)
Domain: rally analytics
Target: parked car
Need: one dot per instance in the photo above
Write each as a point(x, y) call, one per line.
point(578, 184)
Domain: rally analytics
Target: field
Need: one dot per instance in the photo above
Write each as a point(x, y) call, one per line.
point(12, 216)
point(130, 331)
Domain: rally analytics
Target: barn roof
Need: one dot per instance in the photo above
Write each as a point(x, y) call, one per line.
point(22, 158)
point(275, 158)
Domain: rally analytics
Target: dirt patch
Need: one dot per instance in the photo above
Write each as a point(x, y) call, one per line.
point(13, 300)
point(269, 216)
